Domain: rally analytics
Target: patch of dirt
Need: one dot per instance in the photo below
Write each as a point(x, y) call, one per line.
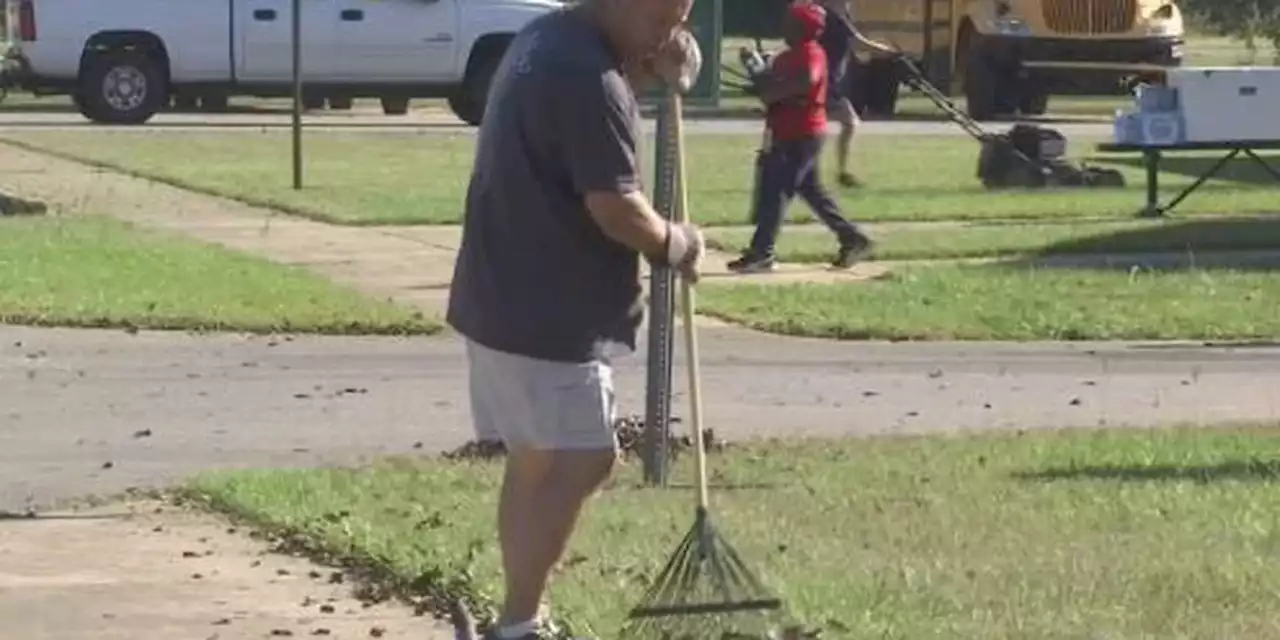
point(152, 570)
point(629, 431)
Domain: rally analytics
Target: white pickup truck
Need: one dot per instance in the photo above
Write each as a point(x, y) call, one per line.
point(123, 61)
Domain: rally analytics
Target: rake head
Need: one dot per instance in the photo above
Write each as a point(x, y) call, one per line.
point(706, 592)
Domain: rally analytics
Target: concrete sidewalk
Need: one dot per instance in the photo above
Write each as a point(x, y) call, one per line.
point(147, 571)
point(412, 265)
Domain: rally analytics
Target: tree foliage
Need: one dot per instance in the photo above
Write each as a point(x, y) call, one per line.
point(1249, 20)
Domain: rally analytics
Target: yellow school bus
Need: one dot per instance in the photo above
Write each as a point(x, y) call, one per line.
point(1008, 56)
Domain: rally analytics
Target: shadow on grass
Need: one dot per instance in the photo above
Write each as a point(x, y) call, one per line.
point(1240, 169)
point(31, 516)
point(1235, 243)
point(1225, 345)
point(725, 486)
point(55, 105)
point(15, 206)
point(38, 106)
point(1250, 470)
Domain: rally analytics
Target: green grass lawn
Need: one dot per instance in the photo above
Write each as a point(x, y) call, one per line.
point(1072, 534)
point(97, 272)
point(814, 243)
point(1000, 302)
point(400, 178)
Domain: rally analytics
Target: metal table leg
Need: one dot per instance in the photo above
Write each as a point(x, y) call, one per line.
point(1151, 159)
point(1213, 171)
point(1260, 161)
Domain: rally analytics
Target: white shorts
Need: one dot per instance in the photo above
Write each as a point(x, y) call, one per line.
point(541, 404)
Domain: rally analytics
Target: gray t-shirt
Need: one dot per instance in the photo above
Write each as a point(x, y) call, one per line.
point(535, 275)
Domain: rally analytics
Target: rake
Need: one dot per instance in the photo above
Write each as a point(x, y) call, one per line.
point(705, 591)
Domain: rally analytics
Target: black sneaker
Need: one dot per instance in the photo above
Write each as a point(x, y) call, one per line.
point(749, 263)
point(851, 250)
point(848, 180)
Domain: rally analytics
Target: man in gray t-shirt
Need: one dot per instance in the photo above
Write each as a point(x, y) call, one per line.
point(546, 287)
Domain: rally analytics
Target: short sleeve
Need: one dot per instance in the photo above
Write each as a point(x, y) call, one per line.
point(596, 125)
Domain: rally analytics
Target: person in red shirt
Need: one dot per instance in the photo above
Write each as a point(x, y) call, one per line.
point(795, 94)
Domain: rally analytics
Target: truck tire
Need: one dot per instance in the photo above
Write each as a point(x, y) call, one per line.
point(981, 86)
point(122, 87)
point(395, 106)
point(468, 102)
point(78, 101)
point(883, 86)
point(1033, 100)
point(341, 103)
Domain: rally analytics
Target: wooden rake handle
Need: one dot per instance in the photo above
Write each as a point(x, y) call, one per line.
point(675, 106)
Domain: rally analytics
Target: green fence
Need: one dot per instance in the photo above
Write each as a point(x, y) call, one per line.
point(706, 23)
point(754, 18)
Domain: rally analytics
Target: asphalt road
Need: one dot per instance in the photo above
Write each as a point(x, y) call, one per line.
point(94, 412)
point(429, 121)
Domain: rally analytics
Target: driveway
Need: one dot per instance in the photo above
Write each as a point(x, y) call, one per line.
point(98, 411)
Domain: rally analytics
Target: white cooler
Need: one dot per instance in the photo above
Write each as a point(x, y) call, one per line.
point(1228, 103)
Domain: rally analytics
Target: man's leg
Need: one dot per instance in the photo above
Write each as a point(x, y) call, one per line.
point(852, 241)
point(777, 176)
point(840, 108)
point(543, 494)
point(557, 421)
point(843, 112)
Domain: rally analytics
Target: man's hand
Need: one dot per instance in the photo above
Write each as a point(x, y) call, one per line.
point(676, 65)
point(685, 249)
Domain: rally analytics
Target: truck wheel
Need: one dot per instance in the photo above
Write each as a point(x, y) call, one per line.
point(340, 103)
point(981, 86)
point(468, 103)
point(78, 101)
point(1033, 100)
point(883, 86)
point(123, 87)
point(215, 102)
point(395, 106)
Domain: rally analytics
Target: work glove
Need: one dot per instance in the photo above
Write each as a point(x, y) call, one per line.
point(685, 248)
point(676, 65)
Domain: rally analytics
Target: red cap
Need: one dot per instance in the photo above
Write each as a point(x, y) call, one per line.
point(811, 17)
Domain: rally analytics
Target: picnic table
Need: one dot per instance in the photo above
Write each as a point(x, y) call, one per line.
point(1152, 155)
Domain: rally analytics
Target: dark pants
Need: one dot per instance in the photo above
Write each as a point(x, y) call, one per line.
point(788, 168)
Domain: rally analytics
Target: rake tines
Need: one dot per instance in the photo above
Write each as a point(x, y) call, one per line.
point(706, 592)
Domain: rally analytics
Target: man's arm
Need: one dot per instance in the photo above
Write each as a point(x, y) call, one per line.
point(628, 218)
point(841, 9)
point(600, 147)
point(878, 47)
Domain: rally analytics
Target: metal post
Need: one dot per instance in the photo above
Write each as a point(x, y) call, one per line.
point(297, 94)
point(662, 291)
